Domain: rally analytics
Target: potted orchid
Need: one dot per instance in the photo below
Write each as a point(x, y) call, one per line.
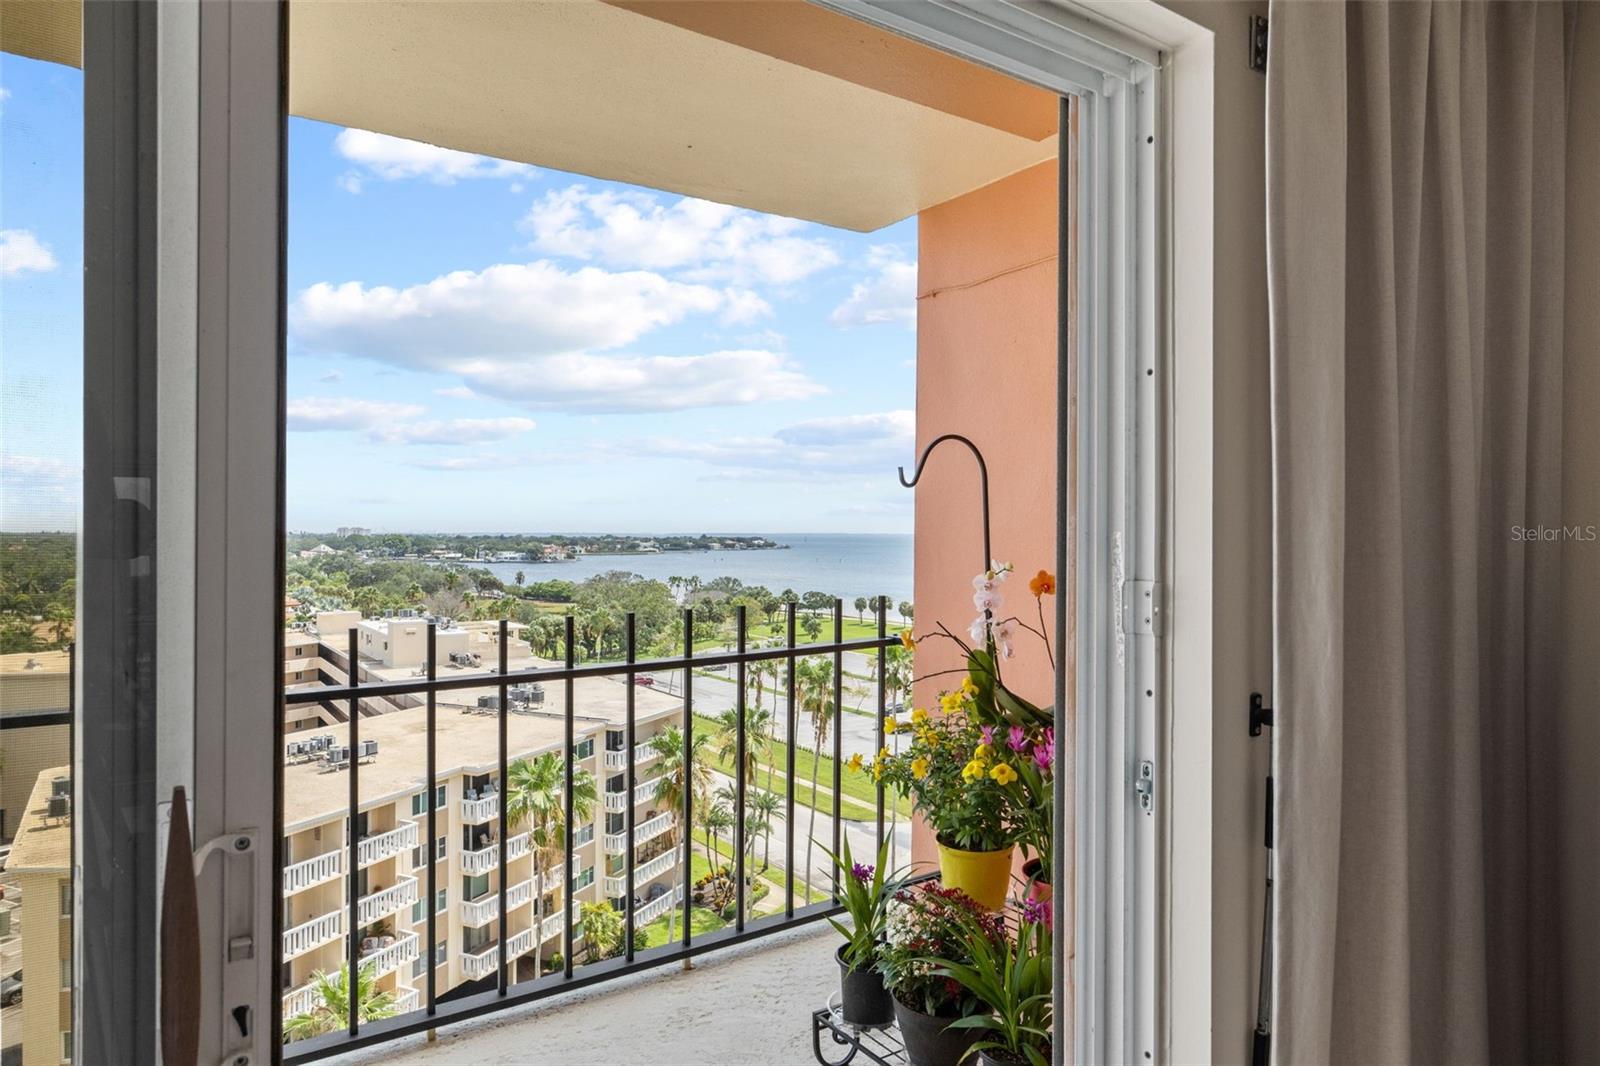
point(864, 892)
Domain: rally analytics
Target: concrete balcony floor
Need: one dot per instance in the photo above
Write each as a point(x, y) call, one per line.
point(746, 1006)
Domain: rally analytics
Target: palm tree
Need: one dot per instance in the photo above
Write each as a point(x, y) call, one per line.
point(715, 817)
point(59, 615)
point(676, 781)
point(861, 609)
point(814, 689)
point(414, 593)
point(602, 930)
point(764, 806)
point(332, 1010)
point(451, 579)
point(533, 797)
point(521, 577)
point(756, 727)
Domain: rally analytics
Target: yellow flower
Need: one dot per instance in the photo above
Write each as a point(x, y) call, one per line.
point(883, 753)
point(907, 641)
point(973, 770)
point(1003, 773)
point(889, 725)
point(968, 689)
point(983, 751)
point(855, 763)
point(919, 768)
point(877, 771)
point(919, 716)
point(950, 701)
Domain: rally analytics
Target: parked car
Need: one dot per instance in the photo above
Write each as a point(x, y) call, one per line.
point(644, 680)
point(11, 990)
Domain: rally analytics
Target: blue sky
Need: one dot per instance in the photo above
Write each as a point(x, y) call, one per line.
point(499, 347)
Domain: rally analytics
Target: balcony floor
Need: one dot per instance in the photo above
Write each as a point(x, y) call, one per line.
point(746, 1005)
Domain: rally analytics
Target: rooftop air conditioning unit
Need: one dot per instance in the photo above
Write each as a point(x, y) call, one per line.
point(60, 786)
point(58, 807)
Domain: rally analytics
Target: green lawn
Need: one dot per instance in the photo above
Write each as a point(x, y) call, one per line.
point(759, 631)
point(857, 786)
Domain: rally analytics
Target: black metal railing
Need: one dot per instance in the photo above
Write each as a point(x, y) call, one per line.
point(436, 1011)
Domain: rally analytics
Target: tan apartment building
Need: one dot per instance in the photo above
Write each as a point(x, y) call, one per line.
point(41, 867)
point(392, 849)
point(30, 682)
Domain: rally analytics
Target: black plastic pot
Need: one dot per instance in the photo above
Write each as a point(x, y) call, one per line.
point(862, 997)
point(929, 1042)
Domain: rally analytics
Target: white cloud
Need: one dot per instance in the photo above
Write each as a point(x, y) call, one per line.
point(452, 431)
point(609, 383)
point(21, 251)
point(321, 413)
point(888, 294)
point(743, 307)
point(704, 240)
point(822, 447)
point(378, 155)
point(509, 310)
point(529, 334)
point(41, 492)
point(397, 423)
point(456, 392)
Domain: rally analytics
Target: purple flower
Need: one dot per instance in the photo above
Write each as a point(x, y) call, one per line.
point(1019, 738)
point(861, 872)
point(988, 734)
point(1044, 755)
point(1036, 912)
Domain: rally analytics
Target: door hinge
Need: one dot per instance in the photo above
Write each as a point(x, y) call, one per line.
point(1144, 787)
point(1144, 601)
point(1258, 43)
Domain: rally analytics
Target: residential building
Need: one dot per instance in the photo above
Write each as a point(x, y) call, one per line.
point(34, 687)
point(40, 865)
point(392, 846)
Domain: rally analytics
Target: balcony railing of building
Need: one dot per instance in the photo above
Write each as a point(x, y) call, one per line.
point(300, 1000)
point(406, 999)
point(618, 886)
point(642, 753)
point(617, 843)
point(486, 858)
point(480, 810)
point(476, 912)
point(317, 870)
point(387, 958)
point(313, 934)
point(397, 841)
point(497, 959)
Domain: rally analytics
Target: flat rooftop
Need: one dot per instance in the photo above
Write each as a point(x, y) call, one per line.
point(42, 845)
point(464, 743)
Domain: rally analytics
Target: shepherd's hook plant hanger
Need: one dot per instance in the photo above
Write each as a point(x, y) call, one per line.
point(983, 481)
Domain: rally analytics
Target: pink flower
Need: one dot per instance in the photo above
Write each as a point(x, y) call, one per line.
point(988, 734)
point(1019, 738)
point(1036, 912)
point(1044, 755)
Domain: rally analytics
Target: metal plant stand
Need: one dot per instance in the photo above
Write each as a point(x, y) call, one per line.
point(884, 1046)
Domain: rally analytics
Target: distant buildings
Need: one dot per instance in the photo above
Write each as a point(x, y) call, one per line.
point(41, 866)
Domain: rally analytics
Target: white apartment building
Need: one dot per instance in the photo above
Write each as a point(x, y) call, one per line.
point(392, 851)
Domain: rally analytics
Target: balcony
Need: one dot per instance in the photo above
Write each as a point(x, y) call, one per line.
point(387, 901)
point(406, 1000)
point(482, 911)
point(487, 858)
point(300, 1000)
point(643, 793)
point(314, 871)
point(313, 934)
point(483, 809)
point(657, 907)
point(617, 843)
point(387, 845)
point(552, 926)
point(642, 753)
point(388, 959)
point(487, 960)
point(618, 886)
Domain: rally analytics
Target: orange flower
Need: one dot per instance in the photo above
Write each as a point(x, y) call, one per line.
point(1043, 584)
point(907, 641)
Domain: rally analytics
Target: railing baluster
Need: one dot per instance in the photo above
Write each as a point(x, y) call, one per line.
point(433, 828)
point(568, 874)
point(883, 635)
point(505, 693)
point(629, 741)
point(353, 942)
point(688, 772)
point(838, 731)
point(792, 725)
point(741, 743)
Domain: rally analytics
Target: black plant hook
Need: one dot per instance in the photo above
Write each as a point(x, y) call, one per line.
point(983, 478)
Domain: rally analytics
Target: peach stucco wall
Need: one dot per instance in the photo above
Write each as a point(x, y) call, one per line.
point(986, 368)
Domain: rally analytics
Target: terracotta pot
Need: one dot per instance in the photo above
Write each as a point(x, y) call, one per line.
point(983, 875)
point(1037, 890)
point(928, 1041)
point(862, 998)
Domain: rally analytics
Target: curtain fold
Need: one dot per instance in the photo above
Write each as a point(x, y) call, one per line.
point(1415, 173)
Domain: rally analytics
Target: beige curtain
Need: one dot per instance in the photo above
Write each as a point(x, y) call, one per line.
point(1415, 199)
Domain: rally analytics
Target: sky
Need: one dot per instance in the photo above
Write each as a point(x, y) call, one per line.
point(498, 347)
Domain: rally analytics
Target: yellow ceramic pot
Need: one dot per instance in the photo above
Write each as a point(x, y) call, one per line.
point(983, 875)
